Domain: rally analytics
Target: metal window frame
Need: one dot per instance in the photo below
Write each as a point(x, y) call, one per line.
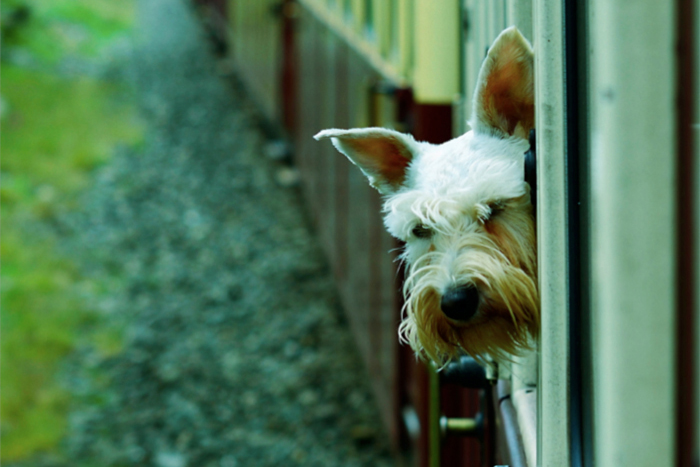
point(553, 444)
point(697, 238)
point(484, 21)
point(633, 231)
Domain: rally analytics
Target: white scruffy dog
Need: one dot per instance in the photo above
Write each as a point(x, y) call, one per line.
point(463, 209)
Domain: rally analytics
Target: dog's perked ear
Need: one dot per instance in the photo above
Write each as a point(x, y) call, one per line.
point(504, 100)
point(382, 155)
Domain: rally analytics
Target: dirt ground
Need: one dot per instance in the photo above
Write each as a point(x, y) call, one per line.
point(235, 352)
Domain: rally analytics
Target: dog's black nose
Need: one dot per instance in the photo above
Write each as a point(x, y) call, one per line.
point(460, 303)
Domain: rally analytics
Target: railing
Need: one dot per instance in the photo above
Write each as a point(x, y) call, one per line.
point(380, 32)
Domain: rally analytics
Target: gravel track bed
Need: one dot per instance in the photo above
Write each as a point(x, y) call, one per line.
point(236, 351)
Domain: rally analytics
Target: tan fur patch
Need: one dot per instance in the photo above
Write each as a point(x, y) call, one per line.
point(385, 156)
point(502, 263)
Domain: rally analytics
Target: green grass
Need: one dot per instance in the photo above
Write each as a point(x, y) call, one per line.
point(58, 28)
point(58, 129)
point(41, 321)
point(55, 132)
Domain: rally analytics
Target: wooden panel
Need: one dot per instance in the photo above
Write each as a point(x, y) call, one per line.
point(333, 85)
point(333, 88)
point(687, 233)
point(325, 168)
point(256, 40)
point(337, 171)
point(307, 117)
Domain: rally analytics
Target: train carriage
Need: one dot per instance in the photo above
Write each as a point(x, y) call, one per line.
point(614, 379)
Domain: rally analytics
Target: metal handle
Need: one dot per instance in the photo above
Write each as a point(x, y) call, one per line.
point(461, 426)
point(466, 373)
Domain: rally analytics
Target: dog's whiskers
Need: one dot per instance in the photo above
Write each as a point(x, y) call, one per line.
point(439, 200)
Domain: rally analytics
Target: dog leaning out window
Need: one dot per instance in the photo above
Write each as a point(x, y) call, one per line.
point(463, 210)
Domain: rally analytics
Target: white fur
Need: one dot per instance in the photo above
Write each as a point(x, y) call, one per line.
point(449, 192)
point(341, 139)
point(452, 180)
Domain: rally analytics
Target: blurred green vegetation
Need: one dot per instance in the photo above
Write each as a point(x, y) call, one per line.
point(54, 29)
point(55, 130)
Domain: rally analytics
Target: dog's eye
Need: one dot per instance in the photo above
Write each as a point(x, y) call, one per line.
point(421, 231)
point(486, 212)
point(496, 207)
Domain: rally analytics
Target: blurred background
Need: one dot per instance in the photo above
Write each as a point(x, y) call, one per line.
point(63, 114)
point(164, 299)
point(189, 279)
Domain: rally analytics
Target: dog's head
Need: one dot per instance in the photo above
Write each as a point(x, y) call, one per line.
point(464, 212)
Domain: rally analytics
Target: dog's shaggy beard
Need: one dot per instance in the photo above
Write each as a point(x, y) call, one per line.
point(508, 312)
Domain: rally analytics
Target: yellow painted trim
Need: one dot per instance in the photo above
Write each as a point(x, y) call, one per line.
point(360, 43)
point(436, 41)
point(434, 413)
point(359, 16)
point(404, 43)
point(381, 27)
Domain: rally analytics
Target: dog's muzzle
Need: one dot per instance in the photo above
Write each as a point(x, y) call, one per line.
point(460, 303)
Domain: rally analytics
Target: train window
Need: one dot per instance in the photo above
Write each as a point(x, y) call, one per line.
point(369, 16)
point(538, 383)
point(605, 376)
